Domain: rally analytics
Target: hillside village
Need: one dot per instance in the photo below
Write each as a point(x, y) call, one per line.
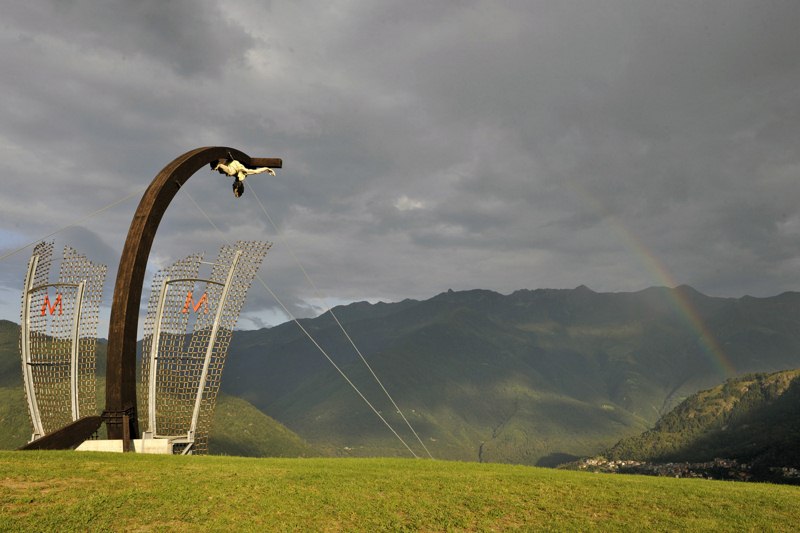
point(720, 469)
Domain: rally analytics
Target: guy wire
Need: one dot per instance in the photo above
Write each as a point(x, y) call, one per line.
point(336, 319)
point(311, 338)
point(71, 224)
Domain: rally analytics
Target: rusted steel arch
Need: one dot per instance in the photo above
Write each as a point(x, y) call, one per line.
point(121, 358)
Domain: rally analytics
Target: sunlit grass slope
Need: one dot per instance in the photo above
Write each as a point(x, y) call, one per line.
point(15, 426)
point(238, 428)
point(241, 429)
point(63, 491)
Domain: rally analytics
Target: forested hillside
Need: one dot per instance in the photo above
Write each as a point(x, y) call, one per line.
point(754, 419)
point(530, 377)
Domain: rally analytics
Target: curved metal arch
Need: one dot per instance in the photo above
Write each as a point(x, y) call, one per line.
point(121, 358)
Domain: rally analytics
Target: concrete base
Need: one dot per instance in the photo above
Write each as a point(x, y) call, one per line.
point(162, 446)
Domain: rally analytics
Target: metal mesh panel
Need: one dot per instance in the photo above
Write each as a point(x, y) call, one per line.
point(188, 366)
point(59, 322)
point(74, 269)
point(175, 372)
point(253, 253)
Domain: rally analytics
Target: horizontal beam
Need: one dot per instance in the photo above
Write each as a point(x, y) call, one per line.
point(271, 162)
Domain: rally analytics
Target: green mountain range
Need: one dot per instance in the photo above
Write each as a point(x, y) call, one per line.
point(534, 377)
point(754, 419)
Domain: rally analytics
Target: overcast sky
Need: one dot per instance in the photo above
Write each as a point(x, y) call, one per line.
point(426, 145)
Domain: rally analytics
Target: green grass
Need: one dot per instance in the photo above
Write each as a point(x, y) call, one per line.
point(15, 426)
point(71, 491)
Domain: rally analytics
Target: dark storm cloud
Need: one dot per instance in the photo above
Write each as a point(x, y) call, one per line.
point(191, 38)
point(428, 145)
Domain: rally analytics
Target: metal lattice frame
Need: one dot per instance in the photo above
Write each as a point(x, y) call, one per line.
point(58, 337)
point(166, 322)
point(181, 375)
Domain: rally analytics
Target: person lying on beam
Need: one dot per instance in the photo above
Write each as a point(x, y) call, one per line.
point(232, 167)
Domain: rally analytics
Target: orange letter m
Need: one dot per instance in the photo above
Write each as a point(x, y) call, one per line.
point(52, 308)
point(190, 303)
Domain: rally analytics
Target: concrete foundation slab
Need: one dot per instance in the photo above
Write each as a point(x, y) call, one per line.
point(159, 446)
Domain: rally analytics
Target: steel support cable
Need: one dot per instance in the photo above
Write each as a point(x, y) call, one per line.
point(138, 192)
point(336, 319)
point(311, 338)
point(386, 423)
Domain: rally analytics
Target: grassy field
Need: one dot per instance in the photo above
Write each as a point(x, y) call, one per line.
point(71, 491)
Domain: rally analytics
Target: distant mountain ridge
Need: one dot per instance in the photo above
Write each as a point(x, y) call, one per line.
point(519, 377)
point(534, 377)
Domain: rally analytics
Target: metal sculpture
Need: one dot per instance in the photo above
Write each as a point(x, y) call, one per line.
point(58, 337)
point(120, 414)
point(181, 374)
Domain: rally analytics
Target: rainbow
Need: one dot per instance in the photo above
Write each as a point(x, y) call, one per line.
point(680, 302)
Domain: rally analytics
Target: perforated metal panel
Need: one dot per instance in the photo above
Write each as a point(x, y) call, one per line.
point(181, 373)
point(58, 338)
